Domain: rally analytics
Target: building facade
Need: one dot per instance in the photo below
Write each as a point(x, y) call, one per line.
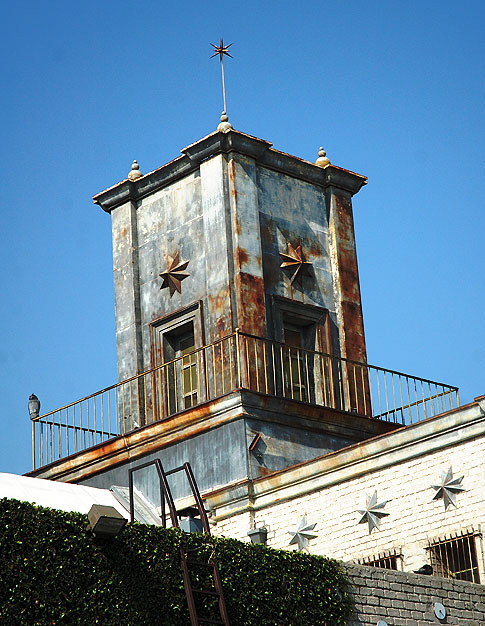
point(241, 350)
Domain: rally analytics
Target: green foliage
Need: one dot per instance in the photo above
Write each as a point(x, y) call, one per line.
point(52, 572)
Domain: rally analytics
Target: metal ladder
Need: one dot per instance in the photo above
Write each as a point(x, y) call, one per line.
point(187, 564)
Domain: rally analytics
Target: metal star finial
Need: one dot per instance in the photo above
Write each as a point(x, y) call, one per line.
point(302, 534)
point(174, 274)
point(221, 50)
point(448, 488)
point(373, 512)
point(294, 260)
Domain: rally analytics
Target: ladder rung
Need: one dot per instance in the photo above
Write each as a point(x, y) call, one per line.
point(199, 563)
point(207, 620)
point(174, 470)
point(187, 550)
point(207, 593)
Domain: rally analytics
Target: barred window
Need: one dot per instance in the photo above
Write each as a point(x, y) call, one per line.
point(386, 560)
point(455, 557)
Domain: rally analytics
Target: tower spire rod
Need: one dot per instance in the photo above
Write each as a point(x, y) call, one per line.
point(220, 51)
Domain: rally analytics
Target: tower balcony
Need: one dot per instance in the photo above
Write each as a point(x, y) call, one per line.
point(237, 362)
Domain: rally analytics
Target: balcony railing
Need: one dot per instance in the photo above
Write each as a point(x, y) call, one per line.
point(238, 361)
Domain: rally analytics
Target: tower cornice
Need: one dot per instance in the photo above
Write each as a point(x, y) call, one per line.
point(225, 143)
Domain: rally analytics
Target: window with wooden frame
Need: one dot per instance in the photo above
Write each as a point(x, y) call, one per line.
point(303, 330)
point(178, 375)
point(455, 556)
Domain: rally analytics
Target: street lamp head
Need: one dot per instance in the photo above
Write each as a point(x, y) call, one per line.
point(34, 406)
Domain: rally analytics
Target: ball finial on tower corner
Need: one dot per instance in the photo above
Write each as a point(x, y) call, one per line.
point(135, 173)
point(322, 160)
point(225, 125)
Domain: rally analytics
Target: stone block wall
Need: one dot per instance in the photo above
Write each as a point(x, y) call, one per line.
point(402, 599)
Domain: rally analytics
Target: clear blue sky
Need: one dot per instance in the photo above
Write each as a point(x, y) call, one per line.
point(392, 90)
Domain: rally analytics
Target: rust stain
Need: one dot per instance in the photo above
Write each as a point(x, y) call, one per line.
point(355, 339)
point(220, 313)
point(237, 224)
point(232, 179)
point(242, 257)
point(349, 279)
point(313, 249)
point(251, 304)
point(221, 326)
point(345, 226)
point(156, 436)
point(348, 276)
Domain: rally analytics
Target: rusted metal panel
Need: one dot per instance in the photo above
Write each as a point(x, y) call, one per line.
point(347, 276)
point(293, 213)
point(252, 311)
point(217, 248)
point(298, 422)
point(248, 284)
point(126, 284)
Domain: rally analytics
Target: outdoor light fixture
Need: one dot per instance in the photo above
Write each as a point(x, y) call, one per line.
point(34, 406)
point(258, 535)
point(105, 521)
point(190, 521)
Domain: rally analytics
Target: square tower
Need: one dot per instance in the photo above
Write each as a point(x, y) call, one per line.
point(233, 235)
point(240, 339)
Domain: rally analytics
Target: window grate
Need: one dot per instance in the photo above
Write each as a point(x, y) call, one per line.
point(388, 560)
point(455, 557)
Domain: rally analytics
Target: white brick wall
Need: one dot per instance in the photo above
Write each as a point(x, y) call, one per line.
point(405, 483)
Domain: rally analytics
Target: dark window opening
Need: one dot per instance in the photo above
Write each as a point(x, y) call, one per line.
point(177, 356)
point(389, 561)
point(455, 558)
point(182, 372)
point(298, 360)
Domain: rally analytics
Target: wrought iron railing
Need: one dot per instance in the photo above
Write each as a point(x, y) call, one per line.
point(234, 362)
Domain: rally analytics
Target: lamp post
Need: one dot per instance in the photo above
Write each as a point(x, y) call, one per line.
point(34, 409)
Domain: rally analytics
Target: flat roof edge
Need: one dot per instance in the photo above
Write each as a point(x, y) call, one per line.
point(225, 143)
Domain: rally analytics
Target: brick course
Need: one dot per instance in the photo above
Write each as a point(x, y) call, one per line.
point(402, 599)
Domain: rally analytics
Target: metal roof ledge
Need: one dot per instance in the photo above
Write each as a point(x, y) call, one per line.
point(436, 433)
point(225, 143)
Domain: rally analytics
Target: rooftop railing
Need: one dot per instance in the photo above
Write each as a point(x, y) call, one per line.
point(238, 361)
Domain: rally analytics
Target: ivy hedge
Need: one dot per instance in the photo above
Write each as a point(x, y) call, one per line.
point(53, 572)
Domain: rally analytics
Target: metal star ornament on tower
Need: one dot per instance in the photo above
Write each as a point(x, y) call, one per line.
point(294, 260)
point(373, 512)
point(302, 534)
point(174, 274)
point(221, 50)
point(448, 488)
